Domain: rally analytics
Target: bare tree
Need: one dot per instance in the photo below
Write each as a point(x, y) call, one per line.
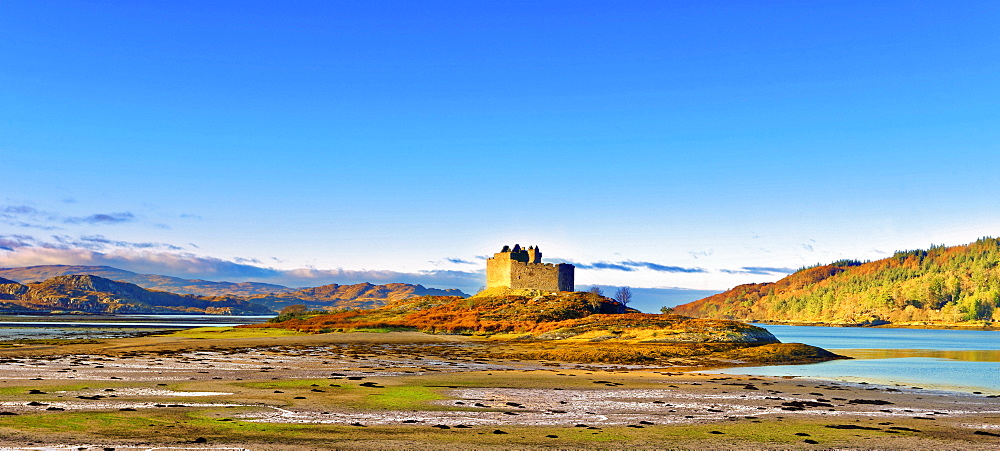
point(623, 296)
point(595, 295)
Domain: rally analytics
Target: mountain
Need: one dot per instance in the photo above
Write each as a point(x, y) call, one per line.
point(334, 296)
point(29, 274)
point(958, 285)
point(361, 295)
point(93, 294)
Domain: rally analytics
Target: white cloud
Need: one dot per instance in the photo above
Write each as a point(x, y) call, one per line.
point(165, 259)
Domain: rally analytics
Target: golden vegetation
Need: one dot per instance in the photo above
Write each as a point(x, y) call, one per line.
point(957, 285)
point(574, 316)
point(573, 327)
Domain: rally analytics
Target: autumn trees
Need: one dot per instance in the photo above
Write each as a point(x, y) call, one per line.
point(940, 284)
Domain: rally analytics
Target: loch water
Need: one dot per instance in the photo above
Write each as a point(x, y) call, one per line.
point(29, 327)
point(956, 360)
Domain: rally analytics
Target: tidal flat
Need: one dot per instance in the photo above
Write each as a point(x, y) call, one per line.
point(280, 390)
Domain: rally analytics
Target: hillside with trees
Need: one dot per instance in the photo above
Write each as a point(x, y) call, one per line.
point(940, 286)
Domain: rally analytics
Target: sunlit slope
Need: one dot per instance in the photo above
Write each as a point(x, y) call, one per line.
point(93, 294)
point(957, 285)
point(558, 316)
point(359, 295)
point(333, 296)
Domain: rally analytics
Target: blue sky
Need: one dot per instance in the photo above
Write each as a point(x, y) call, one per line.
point(692, 145)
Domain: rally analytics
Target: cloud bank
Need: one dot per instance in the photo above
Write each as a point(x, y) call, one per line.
point(102, 218)
point(759, 270)
point(179, 261)
point(167, 259)
point(31, 217)
point(631, 265)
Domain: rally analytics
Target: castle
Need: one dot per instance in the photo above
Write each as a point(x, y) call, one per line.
point(522, 269)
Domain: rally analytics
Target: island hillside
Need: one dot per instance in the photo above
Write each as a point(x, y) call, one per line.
point(940, 286)
point(565, 326)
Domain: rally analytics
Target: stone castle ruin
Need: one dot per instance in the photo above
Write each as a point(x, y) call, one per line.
point(522, 269)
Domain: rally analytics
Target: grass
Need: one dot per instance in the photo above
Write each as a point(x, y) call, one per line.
point(109, 422)
point(223, 426)
point(401, 395)
point(233, 332)
point(186, 424)
point(48, 389)
point(287, 383)
point(402, 398)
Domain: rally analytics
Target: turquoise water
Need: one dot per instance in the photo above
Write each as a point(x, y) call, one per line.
point(878, 338)
point(961, 360)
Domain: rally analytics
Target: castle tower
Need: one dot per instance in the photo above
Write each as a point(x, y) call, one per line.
point(520, 268)
point(534, 255)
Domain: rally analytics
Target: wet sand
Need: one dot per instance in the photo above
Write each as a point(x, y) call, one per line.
point(411, 390)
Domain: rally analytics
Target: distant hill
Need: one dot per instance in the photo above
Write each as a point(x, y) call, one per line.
point(30, 274)
point(958, 285)
point(361, 295)
point(93, 294)
point(332, 297)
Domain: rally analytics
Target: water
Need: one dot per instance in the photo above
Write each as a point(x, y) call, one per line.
point(81, 327)
point(962, 360)
point(878, 338)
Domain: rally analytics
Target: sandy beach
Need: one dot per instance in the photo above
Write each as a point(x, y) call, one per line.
point(412, 390)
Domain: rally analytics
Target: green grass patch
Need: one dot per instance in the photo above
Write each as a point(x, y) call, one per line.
point(403, 398)
point(294, 383)
point(80, 422)
point(220, 425)
point(48, 389)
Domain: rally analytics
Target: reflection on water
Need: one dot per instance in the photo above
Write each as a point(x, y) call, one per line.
point(964, 360)
point(48, 333)
point(979, 355)
point(836, 338)
point(23, 327)
point(924, 372)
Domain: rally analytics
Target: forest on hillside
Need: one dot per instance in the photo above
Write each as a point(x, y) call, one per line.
point(958, 284)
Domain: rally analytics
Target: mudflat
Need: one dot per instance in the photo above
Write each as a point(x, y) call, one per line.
point(278, 390)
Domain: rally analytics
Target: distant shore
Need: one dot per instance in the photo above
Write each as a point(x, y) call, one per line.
point(909, 325)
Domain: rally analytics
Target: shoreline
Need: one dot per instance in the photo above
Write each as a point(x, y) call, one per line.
point(410, 390)
point(914, 388)
point(940, 326)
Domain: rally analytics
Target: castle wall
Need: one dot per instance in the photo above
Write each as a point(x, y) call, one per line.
point(566, 282)
point(498, 271)
point(534, 276)
point(522, 269)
